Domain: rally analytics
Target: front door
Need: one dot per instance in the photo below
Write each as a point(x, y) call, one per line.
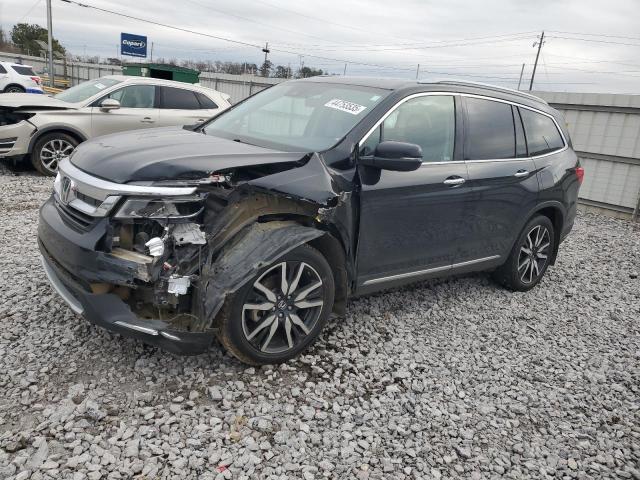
point(503, 179)
point(410, 221)
point(137, 110)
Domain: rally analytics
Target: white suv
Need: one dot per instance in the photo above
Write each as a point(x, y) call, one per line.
point(16, 78)
point(48, 129)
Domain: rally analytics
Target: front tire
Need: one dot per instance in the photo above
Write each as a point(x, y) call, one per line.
point(50, 150)
point(530, 256)
point(281, 311)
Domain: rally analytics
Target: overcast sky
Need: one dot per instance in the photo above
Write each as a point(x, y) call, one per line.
point(590, 45)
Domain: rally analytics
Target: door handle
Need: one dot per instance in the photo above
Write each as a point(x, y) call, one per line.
point(521, 173)
point(147, 120)
point(454, 181)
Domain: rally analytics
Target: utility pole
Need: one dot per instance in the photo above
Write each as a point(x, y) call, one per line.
point(345, 69)
point(535, 65)
point(520, 80)
point(418, 72)
point(151, 52)
point(266, 52)
point(50, 43)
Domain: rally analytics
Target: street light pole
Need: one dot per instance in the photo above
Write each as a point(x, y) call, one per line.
point(50, 43)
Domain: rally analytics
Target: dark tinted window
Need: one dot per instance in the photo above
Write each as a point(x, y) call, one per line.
point(180, 99)
point(2, 69)
point(24, 70)
point(427, 121)
point(490, 131)
point(542, 133)
point(205, 102)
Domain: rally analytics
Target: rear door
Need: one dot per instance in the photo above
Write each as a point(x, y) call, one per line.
point(137, 110)
point(410, 222)
point(502, 176)
point(181, 106)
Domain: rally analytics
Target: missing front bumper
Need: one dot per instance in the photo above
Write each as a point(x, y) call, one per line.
point(110, 312)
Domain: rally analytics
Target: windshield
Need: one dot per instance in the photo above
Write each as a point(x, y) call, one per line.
point(85, 90)
point(300, 115)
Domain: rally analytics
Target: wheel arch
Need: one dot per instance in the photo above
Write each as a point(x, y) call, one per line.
point(74, 132)
point(555, 212)
point(14, 85)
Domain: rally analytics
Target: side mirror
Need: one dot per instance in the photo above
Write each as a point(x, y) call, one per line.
point(396, 156)
point(109, 104)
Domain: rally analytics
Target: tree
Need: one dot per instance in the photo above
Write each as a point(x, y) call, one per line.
point(306, 72)
point(282, 72)
point(265, 69)
point(24, 36)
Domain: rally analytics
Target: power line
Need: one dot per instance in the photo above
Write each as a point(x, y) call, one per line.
point(29, 11)
point(596, 35)
point(194, 32)
point(595, 41)
point(273, 27)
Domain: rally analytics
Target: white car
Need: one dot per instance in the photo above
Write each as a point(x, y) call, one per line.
point(47, 129)
point(16, 78)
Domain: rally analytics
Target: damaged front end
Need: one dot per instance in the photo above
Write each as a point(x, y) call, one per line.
point(160, 267)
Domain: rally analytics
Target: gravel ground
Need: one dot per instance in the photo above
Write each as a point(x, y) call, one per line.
point(454, 378)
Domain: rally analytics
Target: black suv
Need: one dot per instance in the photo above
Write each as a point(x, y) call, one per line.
point(258, 224)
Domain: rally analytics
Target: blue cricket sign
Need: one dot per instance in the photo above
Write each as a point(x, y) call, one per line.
point(133, 45)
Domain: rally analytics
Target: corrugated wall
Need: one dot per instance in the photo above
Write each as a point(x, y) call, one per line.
point(605, 130)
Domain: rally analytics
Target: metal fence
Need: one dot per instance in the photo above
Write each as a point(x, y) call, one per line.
point(605, 130)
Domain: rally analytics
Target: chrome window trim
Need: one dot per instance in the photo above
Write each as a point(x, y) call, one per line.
point(471, 95)
point(443, 268)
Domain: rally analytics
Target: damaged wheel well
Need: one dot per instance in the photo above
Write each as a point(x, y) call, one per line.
point(332, 250)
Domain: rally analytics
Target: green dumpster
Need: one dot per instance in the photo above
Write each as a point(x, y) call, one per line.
point(158, 70)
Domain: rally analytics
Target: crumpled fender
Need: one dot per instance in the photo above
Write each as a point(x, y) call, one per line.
point(259, 245)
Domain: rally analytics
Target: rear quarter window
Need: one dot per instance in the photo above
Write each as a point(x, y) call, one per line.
point(205, 102)
point(28, 71)
point(2, 69)
point(541, 131)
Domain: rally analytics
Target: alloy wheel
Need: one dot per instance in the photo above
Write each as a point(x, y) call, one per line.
point(534, 254)
point(282, 307)
point(53, 152)
point(14, 90)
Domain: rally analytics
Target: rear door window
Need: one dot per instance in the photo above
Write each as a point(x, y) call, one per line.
point(489, 130)
point(28, 71)
point(179, 99)
point(541, 131)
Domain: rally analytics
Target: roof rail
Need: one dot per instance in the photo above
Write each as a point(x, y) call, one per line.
point(491, 87)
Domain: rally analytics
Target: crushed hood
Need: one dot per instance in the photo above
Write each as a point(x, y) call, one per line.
point(169, 153)
point(29, 101)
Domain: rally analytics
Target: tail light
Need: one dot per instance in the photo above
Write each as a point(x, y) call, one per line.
point(36, 79)
point(580, 174)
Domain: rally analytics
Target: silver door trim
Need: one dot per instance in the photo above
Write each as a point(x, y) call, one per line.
point(418, 273)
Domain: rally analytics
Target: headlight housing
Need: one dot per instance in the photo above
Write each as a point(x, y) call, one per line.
point(170, 208)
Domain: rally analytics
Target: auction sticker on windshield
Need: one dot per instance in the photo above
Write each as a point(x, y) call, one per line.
point(344, 106)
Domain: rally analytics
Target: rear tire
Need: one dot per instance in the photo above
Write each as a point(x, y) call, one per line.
point(51, 149)
point(14, 89)
point(270, 320)
point(530, 256)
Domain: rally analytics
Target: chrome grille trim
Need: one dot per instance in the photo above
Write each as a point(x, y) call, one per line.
point(101, 194)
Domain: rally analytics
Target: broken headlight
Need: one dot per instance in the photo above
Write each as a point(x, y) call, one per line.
point(162, 208)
